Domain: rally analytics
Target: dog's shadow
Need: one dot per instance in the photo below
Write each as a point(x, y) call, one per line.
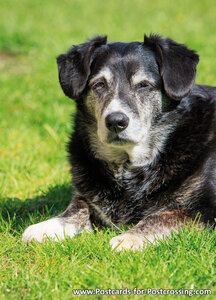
point(51, 203)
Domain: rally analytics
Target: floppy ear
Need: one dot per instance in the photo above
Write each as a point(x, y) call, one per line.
point(177, 65)
point(74, 67)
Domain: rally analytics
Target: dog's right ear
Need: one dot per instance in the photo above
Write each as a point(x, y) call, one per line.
point(74, 66)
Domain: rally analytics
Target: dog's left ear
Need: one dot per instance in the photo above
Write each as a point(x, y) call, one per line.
point(74, 66)
point(177, 65)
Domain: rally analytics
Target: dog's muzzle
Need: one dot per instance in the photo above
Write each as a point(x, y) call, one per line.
point(116, 122)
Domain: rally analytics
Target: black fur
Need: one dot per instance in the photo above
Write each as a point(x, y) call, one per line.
point(144, 190)
point(176, 178)
point(177, 65)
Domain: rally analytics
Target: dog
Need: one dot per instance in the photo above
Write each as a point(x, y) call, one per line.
point(143, 147)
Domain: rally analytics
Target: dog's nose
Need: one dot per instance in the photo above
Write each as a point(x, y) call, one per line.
point(116, 122)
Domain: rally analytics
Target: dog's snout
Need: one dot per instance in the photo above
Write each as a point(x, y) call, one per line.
point(117, 122)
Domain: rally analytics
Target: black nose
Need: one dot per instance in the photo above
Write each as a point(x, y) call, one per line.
point(116, 122)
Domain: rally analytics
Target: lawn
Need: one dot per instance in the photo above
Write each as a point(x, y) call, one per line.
point(35, 122)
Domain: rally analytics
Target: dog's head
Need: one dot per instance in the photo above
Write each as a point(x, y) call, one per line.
point(123, 84)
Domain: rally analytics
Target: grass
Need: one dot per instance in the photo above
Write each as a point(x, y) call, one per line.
point(34, 171)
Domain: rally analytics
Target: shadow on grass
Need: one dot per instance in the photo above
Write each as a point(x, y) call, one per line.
point(53, 202)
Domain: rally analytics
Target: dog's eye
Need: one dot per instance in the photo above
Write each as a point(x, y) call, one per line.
point(143, 85)
point(99, 86)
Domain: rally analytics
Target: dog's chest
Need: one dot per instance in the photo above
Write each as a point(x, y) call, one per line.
point(124, 198)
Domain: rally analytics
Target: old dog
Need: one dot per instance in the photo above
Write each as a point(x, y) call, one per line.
point(143, 146)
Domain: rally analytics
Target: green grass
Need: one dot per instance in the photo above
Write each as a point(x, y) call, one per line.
point(34, 171)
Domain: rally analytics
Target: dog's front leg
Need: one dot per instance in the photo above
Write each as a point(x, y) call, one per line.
point(71, 222)
point(151, 229)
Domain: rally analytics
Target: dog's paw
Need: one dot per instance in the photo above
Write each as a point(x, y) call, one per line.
point(126, 241)
point(54, 228)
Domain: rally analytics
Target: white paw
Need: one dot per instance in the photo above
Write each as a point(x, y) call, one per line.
point(54, 228)
point(126, 241)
